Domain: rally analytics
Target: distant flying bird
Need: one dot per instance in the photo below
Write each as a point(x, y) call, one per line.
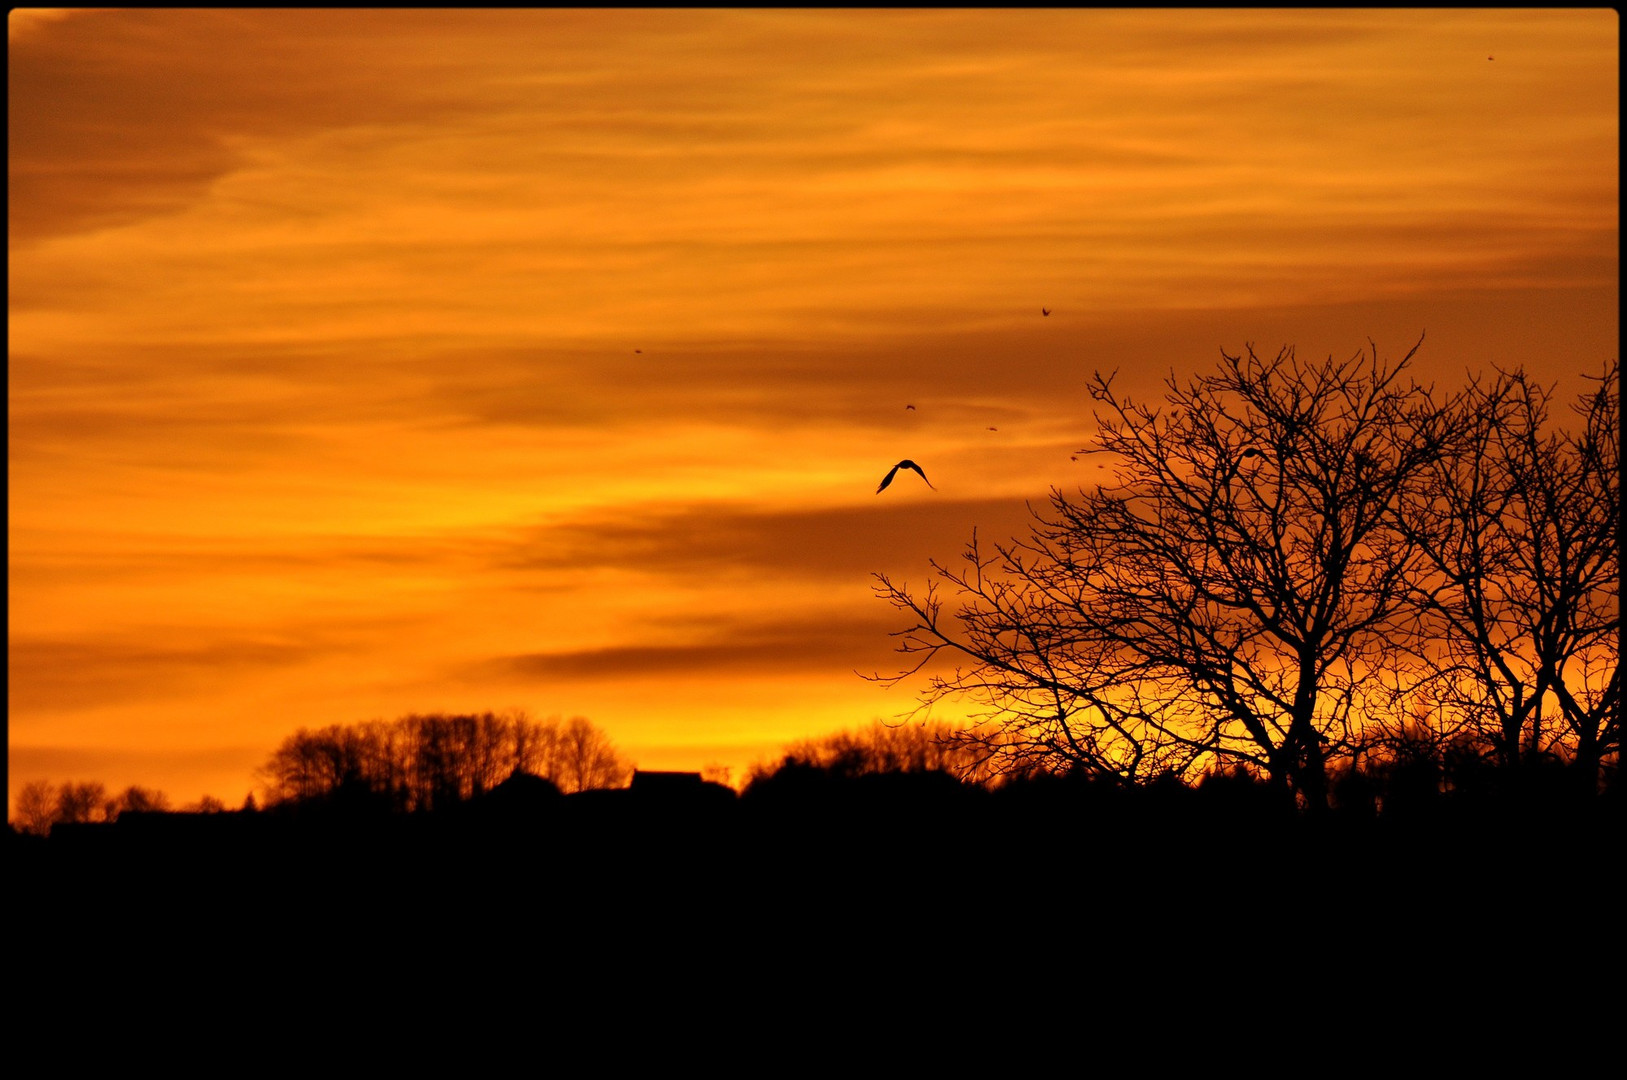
point(638, 350)
point(905, 464)
point(911, 408)
point(994, 429)
point(1044, 311)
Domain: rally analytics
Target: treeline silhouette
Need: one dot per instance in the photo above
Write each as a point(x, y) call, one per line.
point(41, 804)
point(422, 762)
point(416, 763)
point(507, 786)
point(486, 765)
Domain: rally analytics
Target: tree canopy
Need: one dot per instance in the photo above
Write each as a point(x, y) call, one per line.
point(1288, 556)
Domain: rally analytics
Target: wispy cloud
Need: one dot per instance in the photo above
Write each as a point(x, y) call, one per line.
point(729, 648)
point(732, 541)
point(66, 675)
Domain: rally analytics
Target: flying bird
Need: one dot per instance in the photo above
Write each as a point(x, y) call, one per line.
point(911, 408)
point(1044, 311)
point(905, 464)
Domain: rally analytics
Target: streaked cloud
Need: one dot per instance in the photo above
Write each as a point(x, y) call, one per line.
point(66, 675)
point(684, 540)
point(729, 649)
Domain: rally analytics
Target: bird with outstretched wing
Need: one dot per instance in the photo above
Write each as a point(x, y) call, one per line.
point(905, 464)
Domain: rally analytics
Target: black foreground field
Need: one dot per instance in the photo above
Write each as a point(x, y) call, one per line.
point(873, 846)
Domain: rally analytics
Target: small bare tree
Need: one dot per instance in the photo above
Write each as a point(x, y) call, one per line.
point(1224, 602)
point(36, 809)
point(587, 759)
point(82, 802)
point(137, 799)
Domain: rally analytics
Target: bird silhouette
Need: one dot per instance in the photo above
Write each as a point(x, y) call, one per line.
point(911, 408)
point(905, 464)
point(1044, 311)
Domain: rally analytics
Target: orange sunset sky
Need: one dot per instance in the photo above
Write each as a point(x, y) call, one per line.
point(363, 363)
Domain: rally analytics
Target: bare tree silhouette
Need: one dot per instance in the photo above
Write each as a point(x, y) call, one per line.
point(35, 810)
point(1520, 583)
point(1197, 613)
point(80, 803)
